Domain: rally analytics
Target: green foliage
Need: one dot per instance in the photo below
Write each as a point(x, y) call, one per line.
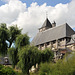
point(3, 25)
point(1, 66)
point(4, 35)
point(46, 55)
point(34, 73)
point(14, 32)
point(22, 40)
point(7, 35)
point(44, 69)
point(13, 53)
point(28, 57)
point(7, 71)
point(62, 67)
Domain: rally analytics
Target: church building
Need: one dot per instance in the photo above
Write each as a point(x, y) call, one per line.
point(60, 39)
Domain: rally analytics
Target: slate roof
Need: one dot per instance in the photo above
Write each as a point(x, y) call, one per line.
point(47, 24)
point(52, 34)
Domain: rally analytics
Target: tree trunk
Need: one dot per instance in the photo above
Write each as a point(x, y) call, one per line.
point(10, 44)
point(27, 73)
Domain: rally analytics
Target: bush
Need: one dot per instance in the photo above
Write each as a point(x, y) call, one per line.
point(62, 67)
point(44, 69)
point(1, 66)
point(6, 71)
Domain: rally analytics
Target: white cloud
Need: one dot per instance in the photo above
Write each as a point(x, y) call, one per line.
point(7, 1)
point(32, 18)
point(10, 12)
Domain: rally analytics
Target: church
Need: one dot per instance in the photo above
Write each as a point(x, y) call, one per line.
point(60, 39)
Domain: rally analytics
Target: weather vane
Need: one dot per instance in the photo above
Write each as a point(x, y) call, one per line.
point(46, 14)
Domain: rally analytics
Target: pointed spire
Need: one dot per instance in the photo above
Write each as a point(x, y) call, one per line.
point(47, 24)
point(46, 14)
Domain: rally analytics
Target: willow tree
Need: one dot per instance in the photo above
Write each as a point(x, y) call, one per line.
point(46, 55)
point(14, 31)
point(28, 56)
point(22, 40)
point(7, 37)
point(4, 35)
point(13, 53)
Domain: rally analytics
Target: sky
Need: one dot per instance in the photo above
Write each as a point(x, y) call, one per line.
point(40, 2)
point(31, 14)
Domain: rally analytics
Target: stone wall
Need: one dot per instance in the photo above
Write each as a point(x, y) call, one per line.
point(71, 46)
point(53, 44)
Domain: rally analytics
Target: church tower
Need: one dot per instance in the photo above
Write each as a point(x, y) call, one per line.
point(54, 24)
point(45, 26)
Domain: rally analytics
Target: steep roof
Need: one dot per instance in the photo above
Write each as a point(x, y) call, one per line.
point(52, 34)
point(47, 24)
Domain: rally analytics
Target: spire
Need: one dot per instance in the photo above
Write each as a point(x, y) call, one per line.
point(47, 24)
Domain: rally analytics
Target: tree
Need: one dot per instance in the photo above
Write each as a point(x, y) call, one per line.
point(13, 53)
point(4, 35)
point(7, 37)
point(14, 32)
point(28, 57)
point(22, 40)
point(3, 25)
point(46, 55)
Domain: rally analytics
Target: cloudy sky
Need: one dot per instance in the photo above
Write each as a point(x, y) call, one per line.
point(30, 14)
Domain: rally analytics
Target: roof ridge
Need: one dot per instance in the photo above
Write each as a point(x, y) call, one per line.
point(54, 27)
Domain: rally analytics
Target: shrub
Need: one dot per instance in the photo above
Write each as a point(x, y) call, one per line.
point(6, 71)
point(1, 66)
point(44, 69)
point(60, 68)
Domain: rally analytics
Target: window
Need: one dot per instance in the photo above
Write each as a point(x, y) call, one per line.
point(54, 42)
point(47, 43)
point(68, 40)
point(42, 45)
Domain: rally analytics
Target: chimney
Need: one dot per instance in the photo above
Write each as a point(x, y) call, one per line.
point(54, 24)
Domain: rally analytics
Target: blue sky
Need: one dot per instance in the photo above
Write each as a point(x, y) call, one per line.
point(74, 29)
point(49, 2)
point(2, 3)
point(40, 2)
